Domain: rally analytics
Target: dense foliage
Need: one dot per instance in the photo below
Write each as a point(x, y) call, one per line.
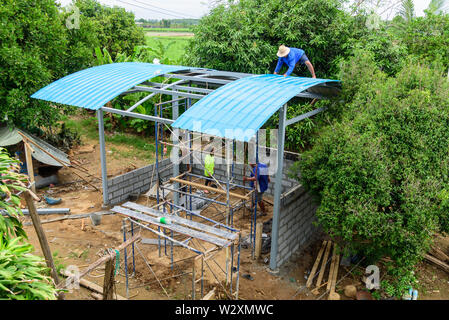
point(114, 28)
point(381, 172)
point(23, 276)
point(37, 48)
point(244, 36)
point(33, 45)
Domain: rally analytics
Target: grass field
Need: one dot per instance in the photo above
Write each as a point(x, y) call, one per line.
point(167, 30)
point(176, 49)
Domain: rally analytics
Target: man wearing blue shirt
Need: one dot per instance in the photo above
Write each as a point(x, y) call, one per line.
point(261, 171)
point(291, 57)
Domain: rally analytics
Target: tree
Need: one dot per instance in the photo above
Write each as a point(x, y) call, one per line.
point(115, 27)
point(427, 39)
point(32, 54)
point(407, 10)
point(437, 6)
point(380, 171)
point(244, 36)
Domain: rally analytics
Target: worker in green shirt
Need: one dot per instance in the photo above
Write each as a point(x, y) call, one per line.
point(209, 165)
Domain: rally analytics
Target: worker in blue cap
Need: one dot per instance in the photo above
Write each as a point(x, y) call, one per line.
point(292, 57)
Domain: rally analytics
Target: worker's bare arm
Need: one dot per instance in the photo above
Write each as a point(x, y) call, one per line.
point(310, 67)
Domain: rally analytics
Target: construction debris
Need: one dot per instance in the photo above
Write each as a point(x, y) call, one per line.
point(437, 262)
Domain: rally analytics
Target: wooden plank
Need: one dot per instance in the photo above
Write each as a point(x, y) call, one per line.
point(90, 285)
point(335, 274)
point(203, 187)
point(258, 243)
point(42, 239)
point(323, 265)
point(176, 228)
point(110, 256)
point(210, 295)
point(189, 223)
point(332, 267)
point(69, 217)
point(315, 265)
point(439, 263)
point(109, 280)
point(439, 254)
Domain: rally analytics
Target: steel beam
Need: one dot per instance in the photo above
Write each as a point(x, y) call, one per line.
point(153, 94)
point(170, 92)
point(179, 87)
point(304, 116)
point(278, 188)
point(137, 115)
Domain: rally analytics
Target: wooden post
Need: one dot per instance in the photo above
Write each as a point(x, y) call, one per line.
point(109, 280)
point(42, 239)
point(315, 265)
point(323, 265)
point(258, 249)
point(332, 267)
point(29, 161)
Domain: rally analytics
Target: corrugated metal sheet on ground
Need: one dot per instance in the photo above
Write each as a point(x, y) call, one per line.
point(92, 88)
point(240, 108)
point(10, 137)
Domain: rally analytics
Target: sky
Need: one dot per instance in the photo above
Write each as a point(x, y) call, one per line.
point(172, 9)
point(155, 9)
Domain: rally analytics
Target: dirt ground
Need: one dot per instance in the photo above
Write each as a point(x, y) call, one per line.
point(77, 242)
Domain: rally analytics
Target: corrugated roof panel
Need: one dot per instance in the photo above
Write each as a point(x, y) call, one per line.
point(244, 105)
point(92, 88)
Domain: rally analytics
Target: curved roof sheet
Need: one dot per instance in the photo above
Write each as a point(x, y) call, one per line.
point(240, 108)
point(92, 88)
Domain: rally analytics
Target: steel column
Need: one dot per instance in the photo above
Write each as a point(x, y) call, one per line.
point(104, 174)
point(175, 115)
point(278, 188)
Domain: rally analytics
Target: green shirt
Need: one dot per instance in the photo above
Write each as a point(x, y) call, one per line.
point(209, 164)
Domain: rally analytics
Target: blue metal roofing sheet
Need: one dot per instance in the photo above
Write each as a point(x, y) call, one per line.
point(92, 88)
point(240, 108)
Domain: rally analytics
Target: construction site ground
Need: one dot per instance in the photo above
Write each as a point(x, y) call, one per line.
point(78, 242)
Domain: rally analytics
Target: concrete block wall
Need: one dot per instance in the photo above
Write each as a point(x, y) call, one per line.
point(136, 181)
point(296, 228)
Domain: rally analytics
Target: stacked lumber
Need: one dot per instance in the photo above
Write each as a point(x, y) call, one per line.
point(324, 252)
point(438, 257)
